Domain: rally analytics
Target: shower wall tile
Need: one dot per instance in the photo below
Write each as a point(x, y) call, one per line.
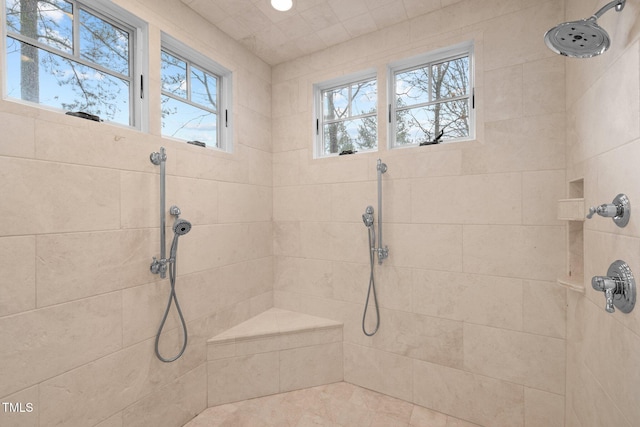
point(244, 377)
point(18, 139)
point(47, 334)
point(230, 245)
point(395, 290)
point(421, 337)
point(286, 137)
point(397, 380)
point(524, 144)
point(65, 139)
point(27, 399)
point(171, 405)
point(45, 197)
point(541, 191)
point(78, 265)
point(543, 409)
point(310, 366)
point(476, 398)
point(544, 86)
point(306, 202)
point(432, 246)
point(484, 300)
point(95, 391)
point(304, 275)
point(445, 160)
point(529, 252)
point(17, 264)
point(253, 128)
point(286, 169)
point(505, 85)
point(332, 241)
point(597, 133)
point(544, 309)
point(521, 358)
point(114, 421)
point(511, 42)
point(140, 200)
point(198, 199)
point(286, 238)
point(244, 203)
point(468, 199)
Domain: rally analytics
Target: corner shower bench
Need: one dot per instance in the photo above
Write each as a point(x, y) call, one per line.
point(273, 352)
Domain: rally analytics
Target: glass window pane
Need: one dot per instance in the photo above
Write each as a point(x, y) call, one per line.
point(49, 22)
point(104, 44)
point(55, 81)
point(417, 125)
point(451, 79)
point(335, 103)
point(204, 88)
point(364, 98)
point(174, 75)
point(359, 135)
point(184, 121)
point(412, 87)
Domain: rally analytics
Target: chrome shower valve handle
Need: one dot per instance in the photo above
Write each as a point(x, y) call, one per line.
point(619, 210)
point(619, 287)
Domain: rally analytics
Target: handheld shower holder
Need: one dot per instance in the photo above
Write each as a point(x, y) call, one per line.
point(159, 266)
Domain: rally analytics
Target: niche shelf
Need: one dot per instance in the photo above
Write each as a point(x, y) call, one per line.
point(572, 210)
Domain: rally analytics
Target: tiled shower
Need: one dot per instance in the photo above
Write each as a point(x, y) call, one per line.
point(473, 322)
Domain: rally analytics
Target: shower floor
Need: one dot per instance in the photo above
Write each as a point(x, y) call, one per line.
point(339, 405)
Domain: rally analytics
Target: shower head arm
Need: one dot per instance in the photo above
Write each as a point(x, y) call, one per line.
point(618, 4)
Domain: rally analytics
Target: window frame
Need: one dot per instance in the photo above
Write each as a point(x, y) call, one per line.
point(319, 121)
point(192, 57)
point(450, 53)
point(123, 20)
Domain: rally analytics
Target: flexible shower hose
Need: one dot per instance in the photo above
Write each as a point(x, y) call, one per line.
point(372, 286)
point(172, 298)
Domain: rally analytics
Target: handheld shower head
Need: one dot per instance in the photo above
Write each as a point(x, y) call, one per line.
point(181, 227)
point(367, 216)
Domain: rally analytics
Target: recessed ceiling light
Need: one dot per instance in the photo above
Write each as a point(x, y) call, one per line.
point(282, 5)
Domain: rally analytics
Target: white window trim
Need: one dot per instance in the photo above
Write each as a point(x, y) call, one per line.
point(139, 108)
point(450, 52)
point(368, 74)
point(225, 128)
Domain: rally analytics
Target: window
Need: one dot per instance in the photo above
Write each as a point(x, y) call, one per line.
point(195, 96)
point(432, 98)
point(346, 115)
point(66, 55)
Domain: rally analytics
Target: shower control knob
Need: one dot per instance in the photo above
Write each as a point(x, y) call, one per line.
point(619, 287)
point(619, 210)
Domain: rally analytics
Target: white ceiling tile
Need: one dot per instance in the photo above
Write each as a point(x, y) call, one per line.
point(311, 25)
point(360, 25)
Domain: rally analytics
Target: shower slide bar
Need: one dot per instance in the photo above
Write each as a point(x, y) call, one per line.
point(382, 251)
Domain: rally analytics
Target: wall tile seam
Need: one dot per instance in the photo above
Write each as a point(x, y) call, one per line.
point(156, 388)
point(604, 390)
point(59, 304)
point(484, 376)
point(596, 157)
point(617, 318)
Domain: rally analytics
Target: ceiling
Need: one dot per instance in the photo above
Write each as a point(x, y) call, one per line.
point(310, 26)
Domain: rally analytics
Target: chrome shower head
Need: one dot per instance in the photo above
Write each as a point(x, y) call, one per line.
point(578, 39)
point(583, 38)
point(181, 227)
point(367, 216)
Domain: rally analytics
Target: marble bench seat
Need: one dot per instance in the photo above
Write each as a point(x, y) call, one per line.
point(273, 352)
